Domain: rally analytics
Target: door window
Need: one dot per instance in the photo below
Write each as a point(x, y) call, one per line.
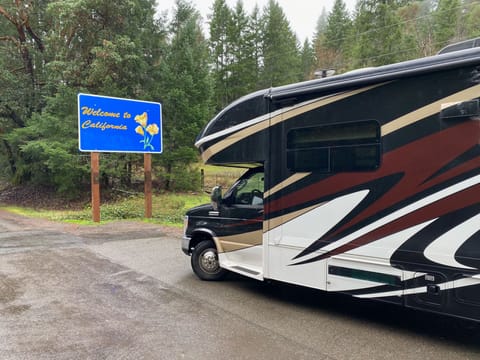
point(248, 190)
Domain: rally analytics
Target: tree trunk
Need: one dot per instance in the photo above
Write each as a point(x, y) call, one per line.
point(10, 157)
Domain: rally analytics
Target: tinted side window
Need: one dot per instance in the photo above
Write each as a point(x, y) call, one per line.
point(249, 191)
point(237, 114)
point(335, 148)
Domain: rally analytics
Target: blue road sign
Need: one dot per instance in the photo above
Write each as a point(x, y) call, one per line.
point(108, 124)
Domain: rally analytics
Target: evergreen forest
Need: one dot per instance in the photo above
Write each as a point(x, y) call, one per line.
point(51, 50)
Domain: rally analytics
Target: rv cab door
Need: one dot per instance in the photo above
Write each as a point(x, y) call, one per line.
point(241, 211)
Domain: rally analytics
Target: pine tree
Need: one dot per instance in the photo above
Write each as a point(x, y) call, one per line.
point(446, 22)
point(242, 70)
point(186, 94)
point(281, 61)
point(321, 24)
point(470, 16)
point(255, 41)
point(308, 61)
point(334, 46)
point(377, 34)
point(220, 50)
point(417, 30)
point(338, 27)
point(319, 35)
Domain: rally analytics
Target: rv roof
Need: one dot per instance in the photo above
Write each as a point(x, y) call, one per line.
point(377, 74)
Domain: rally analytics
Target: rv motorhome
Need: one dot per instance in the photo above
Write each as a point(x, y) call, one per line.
point(365, 183)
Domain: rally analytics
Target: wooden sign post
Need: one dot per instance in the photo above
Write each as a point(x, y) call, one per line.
point(95, 176)
point(147, 164)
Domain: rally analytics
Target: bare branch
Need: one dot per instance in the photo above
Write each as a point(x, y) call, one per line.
point(10, 38)
point(35, 37)
point(7, 16)
point(8, 112)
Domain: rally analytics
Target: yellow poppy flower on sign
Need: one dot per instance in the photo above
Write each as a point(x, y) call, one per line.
point(142, 119)
point(152, 129)
point(145, 130)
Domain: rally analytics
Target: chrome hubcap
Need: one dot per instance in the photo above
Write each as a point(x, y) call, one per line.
point(209, 261)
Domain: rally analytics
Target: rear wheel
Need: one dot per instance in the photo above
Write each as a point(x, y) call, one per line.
point(205, 262)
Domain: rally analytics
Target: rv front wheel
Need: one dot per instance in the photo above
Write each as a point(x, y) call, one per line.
point(205, 262)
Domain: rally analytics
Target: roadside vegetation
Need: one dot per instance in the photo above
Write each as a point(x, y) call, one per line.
point(168, 208)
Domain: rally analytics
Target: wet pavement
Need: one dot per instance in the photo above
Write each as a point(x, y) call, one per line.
point(125, 291)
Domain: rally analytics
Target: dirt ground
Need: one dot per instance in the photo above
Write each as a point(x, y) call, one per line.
point(112, 227)
point(37, 198)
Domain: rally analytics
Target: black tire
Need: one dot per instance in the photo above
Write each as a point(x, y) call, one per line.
point(205, 262)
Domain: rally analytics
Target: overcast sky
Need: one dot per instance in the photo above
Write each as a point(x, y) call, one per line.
point(302, 14)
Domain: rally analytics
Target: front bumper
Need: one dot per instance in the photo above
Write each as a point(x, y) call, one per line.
point(186, 245)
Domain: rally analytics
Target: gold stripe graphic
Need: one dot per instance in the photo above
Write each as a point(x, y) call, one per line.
point(240, 241)
point(431, 109)
point(292, 179)
point(283, 116)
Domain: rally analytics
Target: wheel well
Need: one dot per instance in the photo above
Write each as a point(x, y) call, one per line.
point(198, 237)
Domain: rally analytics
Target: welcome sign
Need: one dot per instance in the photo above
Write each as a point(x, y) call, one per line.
point(108, 124)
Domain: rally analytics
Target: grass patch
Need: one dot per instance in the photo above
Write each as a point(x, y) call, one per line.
point(167, 209)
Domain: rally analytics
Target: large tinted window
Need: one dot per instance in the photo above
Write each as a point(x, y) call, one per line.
point(335, 148)
point(237, 114)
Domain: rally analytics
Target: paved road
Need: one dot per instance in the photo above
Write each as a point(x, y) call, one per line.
point(125, 291)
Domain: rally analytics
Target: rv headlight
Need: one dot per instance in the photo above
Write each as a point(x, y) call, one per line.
point(185, 224)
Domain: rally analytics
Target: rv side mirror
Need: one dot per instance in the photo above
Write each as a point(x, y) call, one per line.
point(216, 197)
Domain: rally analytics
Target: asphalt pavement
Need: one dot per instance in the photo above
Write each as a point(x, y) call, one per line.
point(126, 291)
